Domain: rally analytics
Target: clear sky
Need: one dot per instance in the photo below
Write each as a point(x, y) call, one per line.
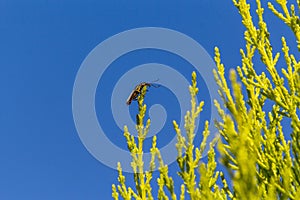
point(42, 46)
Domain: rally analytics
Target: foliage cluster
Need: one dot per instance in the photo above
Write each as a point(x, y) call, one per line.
point(261, 162)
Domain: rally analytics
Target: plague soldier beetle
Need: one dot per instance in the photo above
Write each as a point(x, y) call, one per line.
point(137, 91)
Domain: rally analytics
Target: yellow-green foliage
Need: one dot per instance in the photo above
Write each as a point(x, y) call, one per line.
point(262, 164)
point(188, 160)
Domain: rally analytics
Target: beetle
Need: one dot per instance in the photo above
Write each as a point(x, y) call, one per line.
point(137, 91)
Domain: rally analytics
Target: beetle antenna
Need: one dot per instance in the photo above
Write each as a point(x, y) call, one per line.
point(155, 85)
point(155, 80)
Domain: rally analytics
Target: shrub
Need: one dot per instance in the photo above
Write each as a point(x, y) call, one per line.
point(260, 161)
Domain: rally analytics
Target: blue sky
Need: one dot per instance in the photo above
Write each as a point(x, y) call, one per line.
point(42, 46)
